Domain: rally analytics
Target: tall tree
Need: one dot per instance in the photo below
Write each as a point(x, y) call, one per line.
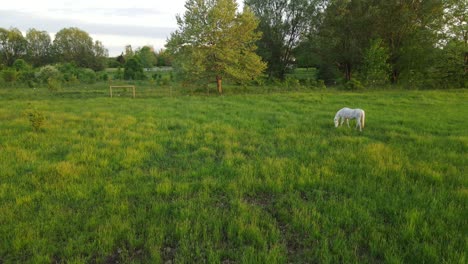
point(215, 42)
point(75, 45)
point(12, 45)
point(375, 70)
point(38, 47)
point(3, 44)
point(455, 43)
point(410, 29)
point(100, 55)
point(282, 23)
point(147, 56)
point(163, 58)
point(128, 52)
point(344, 35)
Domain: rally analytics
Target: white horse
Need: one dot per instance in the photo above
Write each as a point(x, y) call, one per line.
point(347, 113)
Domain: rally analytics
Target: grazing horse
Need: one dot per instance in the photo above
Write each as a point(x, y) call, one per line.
point(347, 113)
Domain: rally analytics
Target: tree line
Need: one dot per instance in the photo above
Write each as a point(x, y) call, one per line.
point(70, 45)
point(354, 43)
point(37, 48)
point(422, 42)
point(72, 57)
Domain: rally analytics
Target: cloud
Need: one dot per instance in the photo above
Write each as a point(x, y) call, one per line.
point(113, 36)
point(127, 12)
point(24, 21)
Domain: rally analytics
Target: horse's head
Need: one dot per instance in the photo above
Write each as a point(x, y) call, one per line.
point(337, 121)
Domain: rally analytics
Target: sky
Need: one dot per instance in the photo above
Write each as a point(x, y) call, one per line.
point(115, 23)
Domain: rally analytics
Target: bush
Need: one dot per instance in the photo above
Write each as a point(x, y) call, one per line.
point(133, 70)
point(113, 63)
point(27, 77)
point(49, 72)
point(37, 119)
point(21, 65)
point(321, 84)
point(54, 84)
point(353, 85)
point(119, 75)
point(292, 82)
point(103, 76)
point(10, 75)
point(87, 76)
point(69, 72)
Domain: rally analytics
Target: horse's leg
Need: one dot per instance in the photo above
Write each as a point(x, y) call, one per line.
point(347, 121)
point(342, 120)
point(358, 124)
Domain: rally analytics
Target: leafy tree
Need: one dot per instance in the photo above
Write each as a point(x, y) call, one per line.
point(121, 59)
point(452, 62)
point(133, 69)
point(12, 45)
point(344, 34)
point(3, 45)
point(215, 42)
point(38, 47)
point(282, 23)
point(128, 52)
point(147, 56)
point(75, 45)
point(375, 69)
point(410, 30)
point(163, 58)
point(100, 54)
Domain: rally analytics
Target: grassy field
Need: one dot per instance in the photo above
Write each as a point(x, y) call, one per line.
point(246, 178)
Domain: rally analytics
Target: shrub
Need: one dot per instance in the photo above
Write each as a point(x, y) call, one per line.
point(27, 77)
point(69, 72)
point(54, 84)
point(103, 76)
point(292, 82)
point(37, 119)
point(49, 72)
point(119, 75)
point(21, 65)
point(165, 80)
point(113, 63)
point(10, 75)
point(133, 70)
point(87, 76)
point(321, 84)
point(353, 85)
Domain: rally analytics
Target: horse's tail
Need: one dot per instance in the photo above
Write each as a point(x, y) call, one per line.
point(363, 118)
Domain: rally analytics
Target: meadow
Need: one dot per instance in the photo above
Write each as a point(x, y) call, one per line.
point(254, 177)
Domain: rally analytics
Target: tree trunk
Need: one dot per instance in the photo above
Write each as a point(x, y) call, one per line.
point(219, 84)
point(348, 71)
point(466, 62)
point(395, 74)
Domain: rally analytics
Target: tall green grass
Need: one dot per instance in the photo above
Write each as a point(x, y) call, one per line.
point(246, 178)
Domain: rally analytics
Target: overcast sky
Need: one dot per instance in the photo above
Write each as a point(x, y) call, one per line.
point(115, 23)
